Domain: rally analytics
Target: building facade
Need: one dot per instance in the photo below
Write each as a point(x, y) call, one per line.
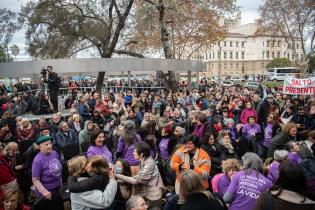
point(242, 52)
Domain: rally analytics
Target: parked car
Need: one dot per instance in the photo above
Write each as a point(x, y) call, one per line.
point(236, 79)
point(252, 85)
point(227, 83)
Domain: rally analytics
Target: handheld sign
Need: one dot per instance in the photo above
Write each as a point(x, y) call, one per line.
point(294, 86)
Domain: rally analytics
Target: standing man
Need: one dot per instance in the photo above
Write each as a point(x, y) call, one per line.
point(53, 86)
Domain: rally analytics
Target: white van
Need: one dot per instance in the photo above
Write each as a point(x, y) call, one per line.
point(279, 74)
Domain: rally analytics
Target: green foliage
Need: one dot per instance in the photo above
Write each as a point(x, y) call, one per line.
point(15, 50)
point(4, 56)
point(279, 62)
point(311, 64)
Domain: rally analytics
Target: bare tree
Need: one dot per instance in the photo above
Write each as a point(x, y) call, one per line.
point(292, 19)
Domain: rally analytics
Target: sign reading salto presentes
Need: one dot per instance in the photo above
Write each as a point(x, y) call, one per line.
point(294, 86)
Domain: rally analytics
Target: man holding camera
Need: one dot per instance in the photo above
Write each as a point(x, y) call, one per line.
point(53, 86)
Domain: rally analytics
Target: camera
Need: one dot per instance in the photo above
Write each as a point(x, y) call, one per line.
point(43, 72)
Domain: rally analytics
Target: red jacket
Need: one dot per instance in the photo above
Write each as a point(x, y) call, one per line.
point(6, 174)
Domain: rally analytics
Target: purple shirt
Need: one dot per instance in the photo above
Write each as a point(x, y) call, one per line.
point(246, 186)
point(127, 151)
point(223, 184)
point(163, 148)
point(250, 130)
point(273, 173)
point(95, 150)
point(48, 168)
point(268, 135)
point(294, 158)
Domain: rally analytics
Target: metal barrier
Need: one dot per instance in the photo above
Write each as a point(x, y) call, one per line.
point(115, 89)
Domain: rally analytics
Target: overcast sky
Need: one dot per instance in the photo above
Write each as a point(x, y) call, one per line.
point(249, 9)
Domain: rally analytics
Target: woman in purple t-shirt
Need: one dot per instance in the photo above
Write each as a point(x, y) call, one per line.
point(98, 146)
point(221, 182)
point(46, 175)
point(270, 131)
point(125, 148)
point(247, 185)
point(163, 144)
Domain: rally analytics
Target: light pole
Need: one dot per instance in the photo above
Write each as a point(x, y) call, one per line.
point(220, 52)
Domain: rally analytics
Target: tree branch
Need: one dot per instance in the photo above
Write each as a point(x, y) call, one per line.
point(126, 52)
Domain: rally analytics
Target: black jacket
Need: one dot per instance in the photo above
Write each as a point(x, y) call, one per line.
point(95, 182)
point(200, 201)
point(278, 143)
point(215, 156)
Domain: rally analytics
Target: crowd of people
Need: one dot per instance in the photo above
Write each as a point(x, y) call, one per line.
point(212, 148)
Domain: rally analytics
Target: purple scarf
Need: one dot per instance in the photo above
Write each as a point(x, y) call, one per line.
point(198, 131)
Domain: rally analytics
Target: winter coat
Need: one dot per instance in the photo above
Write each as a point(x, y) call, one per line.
point(278, 142)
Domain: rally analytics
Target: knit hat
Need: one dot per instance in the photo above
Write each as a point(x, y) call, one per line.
point(42, 139)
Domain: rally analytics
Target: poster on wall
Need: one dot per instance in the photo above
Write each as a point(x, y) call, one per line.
point(294, 86)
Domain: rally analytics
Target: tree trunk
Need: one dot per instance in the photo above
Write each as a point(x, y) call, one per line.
point(99, 82)
point(170, 80)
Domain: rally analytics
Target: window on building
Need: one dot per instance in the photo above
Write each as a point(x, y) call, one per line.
point(209, 56)
point(292, 56)
point(236, 44)
point(267, 54)
point(243, 55)
point(289, 46)
point(263, 54)
point(301, 56)
point(224, 43)
point(231, 55)
point(219, 55)
point(284, 54)
point(224, 66)
point(224, 55)
point(278, 54)
point(273, 55)
point(297, 46)
point(213, 55)
point(219, 44)
point(268, 43)
point(279, 43)
point(231, 44)
point(243, 44)
point(263, 43)
point(206, 56)
point(288, 56)
point(273, 42)
point(236, 55)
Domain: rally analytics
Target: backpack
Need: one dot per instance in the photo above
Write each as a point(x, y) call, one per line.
point(308, 166)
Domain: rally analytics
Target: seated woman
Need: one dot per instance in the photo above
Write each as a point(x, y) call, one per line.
point(98, 146)
point(225, 145)
point(210, 145)
point(148, 178)
point(44, 106)
point(294, 152)
point(96, 192)
point(273, 169)
point(289, 191)
point(221, 182)
point(252, 133)
point(193, 195)
point(191, 156)
point(247, 184)
point(12, 200)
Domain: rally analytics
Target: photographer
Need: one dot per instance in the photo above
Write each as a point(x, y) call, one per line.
point(53, 86)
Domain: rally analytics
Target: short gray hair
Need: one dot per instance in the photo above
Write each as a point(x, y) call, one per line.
point(280, 155)
point(252, 161)
point(132, 202)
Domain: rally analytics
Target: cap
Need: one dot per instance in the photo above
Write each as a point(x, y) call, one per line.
point(42, 139)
